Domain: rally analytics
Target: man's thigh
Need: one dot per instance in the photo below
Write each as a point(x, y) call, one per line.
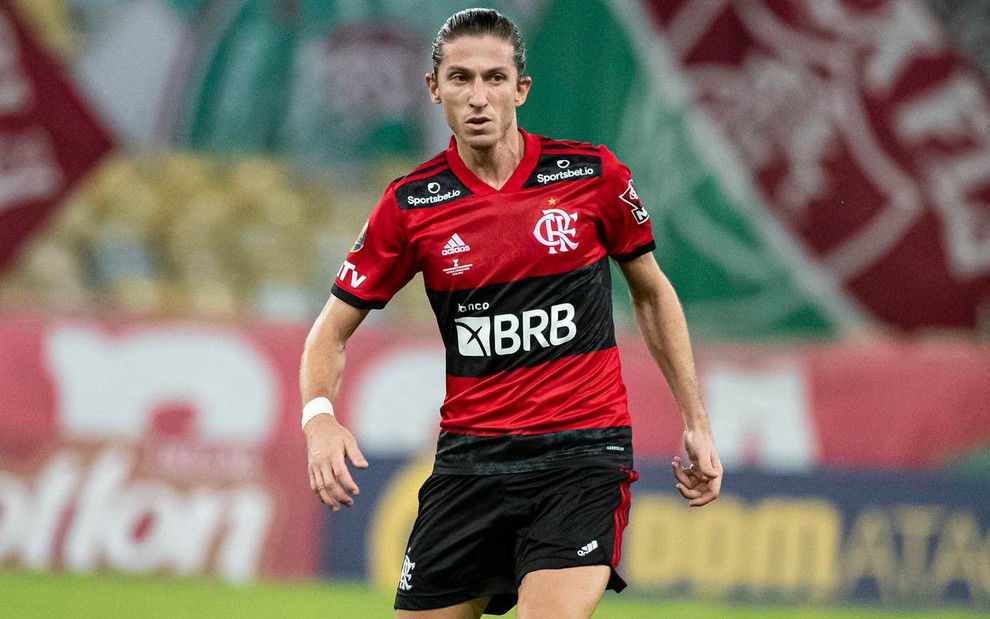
point(570, 593)
point(460, 549)
point(467, 610)
point(577, 521)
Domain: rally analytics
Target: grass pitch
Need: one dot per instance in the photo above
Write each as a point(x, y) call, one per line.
point(28, 595)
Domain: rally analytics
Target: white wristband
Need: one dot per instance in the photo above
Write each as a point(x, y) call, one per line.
point(316, 406)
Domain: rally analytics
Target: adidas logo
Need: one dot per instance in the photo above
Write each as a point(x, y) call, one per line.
point(587, 548)
point(455, 246)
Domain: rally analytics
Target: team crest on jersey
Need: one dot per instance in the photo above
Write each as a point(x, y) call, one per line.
point(630, 197)
point(359, 241)
point(556, 230)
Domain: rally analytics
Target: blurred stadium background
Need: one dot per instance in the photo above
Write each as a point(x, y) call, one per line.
point(180, 180)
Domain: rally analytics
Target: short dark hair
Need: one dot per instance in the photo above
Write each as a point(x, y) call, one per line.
point(480, 22)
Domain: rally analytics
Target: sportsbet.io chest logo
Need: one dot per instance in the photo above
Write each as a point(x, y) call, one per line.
point(507, 334)
point(566, 172)
point(434, 197)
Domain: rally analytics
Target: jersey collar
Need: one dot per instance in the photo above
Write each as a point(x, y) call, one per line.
point(477, 186)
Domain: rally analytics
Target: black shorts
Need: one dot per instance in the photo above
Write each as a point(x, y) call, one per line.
point(478, 535)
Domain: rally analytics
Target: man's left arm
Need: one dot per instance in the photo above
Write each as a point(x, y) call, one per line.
point(662, 323)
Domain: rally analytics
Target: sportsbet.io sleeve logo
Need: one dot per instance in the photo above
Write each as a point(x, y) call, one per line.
point(507, 334)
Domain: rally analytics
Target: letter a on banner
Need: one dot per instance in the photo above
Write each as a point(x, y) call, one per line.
point(49, 139)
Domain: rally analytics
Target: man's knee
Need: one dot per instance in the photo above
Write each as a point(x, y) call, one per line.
point(571, 593)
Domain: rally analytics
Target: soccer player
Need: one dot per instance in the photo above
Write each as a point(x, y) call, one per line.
point(513, 233)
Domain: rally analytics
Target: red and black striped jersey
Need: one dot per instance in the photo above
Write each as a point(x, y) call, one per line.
point(520, 284)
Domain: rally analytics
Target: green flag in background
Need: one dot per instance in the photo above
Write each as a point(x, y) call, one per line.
point(329, 83)
point(319, 81)
point(601, 74)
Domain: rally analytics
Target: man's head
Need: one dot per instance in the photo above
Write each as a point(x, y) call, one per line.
point(479, 64)
point(479, 23)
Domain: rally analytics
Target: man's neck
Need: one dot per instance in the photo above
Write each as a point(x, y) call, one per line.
point(494, 165)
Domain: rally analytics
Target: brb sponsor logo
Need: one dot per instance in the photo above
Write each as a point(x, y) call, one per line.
point(507, 334)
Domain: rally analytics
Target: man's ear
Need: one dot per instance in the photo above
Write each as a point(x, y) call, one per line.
point(522, 89)
point(433, 87)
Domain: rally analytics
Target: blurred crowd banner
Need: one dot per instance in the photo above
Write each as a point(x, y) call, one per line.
point(153, 448)
point(811, 166)
point(172, 447)
point(890, 538)
point(48, 138)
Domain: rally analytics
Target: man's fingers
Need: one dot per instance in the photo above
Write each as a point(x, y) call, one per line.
point(688, 493)
point(685, 477)
point(704, 468)
point(704, 499)
point(331, 488)
point(328, 499)
point(340, 496)
point(344, 480)
point(322, 490)
point(716, 485)
point(710, 493)
point(707, 468)
point(355, 455)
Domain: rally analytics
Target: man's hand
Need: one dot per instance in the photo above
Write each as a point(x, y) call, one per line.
point(328, 444)
point(701, 482)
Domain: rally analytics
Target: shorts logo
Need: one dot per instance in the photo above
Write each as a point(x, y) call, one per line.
point(630, 197)
point(556, 230)
point(405, 579)
point(587, 548)
point(507, 334)
point(433, 187)
point(455, 246)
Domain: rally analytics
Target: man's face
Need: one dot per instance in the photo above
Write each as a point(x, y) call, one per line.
point(479, 87)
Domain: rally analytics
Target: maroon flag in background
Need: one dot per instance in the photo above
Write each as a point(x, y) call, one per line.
point(867, 134)
point(49, 139)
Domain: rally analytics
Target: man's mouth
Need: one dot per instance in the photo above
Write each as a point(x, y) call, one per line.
point(478, 121)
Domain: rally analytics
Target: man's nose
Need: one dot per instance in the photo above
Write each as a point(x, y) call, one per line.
point(479, 94)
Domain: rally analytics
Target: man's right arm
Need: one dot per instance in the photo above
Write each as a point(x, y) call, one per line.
point(329, 444)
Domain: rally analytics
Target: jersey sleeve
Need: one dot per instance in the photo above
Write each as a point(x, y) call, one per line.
point(624, 223)
point(381, 261)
